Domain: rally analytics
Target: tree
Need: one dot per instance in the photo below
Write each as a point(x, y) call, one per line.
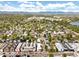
point(69, 36)
point(51, 55)
point(64, 55)
point(46, 47)
point(4, 36)
point(56, 50)
point(14, 36)
point(49, 37)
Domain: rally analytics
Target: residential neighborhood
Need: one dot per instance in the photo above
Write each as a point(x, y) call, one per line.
point(38, 36)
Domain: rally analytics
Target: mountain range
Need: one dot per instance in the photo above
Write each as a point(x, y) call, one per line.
point(17, 12)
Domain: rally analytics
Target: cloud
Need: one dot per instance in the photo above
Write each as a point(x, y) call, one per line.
point(7, 7)
point(31, 7)
point(59, 5)
point(27, 5)
point(64, 7)
point(40, 7)
point(25, 2)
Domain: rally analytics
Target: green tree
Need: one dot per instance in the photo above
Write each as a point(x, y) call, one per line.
point(4, 36)
point(64, 55)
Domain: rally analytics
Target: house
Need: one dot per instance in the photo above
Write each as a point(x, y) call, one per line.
point(38, 40)
point(39, 46)
point(2, 45)
point(59, 46)
point(64, 46)
point(5, 45)
point(70, 48)
point(28, 47)
point(10, 47)
point(18, 48)
point(75, 46)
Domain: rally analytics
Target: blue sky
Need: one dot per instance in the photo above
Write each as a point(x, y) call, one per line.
point(40, 6)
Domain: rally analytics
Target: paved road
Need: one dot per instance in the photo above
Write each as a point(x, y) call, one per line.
point(41, 54)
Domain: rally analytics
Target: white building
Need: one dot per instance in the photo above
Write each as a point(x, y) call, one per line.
point(75, 46)
point(59, 46)
point(39, 46)
point(27, 47)
point(18, 47)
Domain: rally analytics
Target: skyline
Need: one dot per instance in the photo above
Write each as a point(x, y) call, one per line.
point(40, 6)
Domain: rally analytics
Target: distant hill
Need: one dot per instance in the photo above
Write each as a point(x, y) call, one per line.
point(7, 12)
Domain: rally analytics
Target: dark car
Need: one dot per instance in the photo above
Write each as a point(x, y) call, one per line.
point(18, 56)
point(4, 56)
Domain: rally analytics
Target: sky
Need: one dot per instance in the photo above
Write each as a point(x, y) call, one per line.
point(40, 6)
